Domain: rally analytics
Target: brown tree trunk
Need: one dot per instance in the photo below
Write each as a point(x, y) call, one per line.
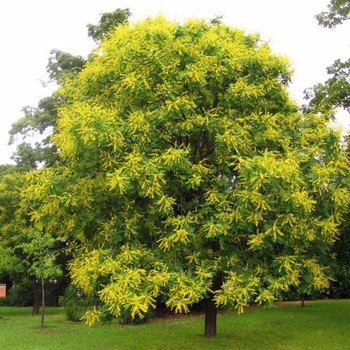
point(36, 297)
point(42, 301)
point(211, 310)
point(210, 319)
point(302, 299)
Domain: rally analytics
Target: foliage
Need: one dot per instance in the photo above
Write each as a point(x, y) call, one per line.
point(186, 164)
point(335, 91)
point(39, 248)
point(6, 169)
point(74, 303)
point(327, 97)
point(107, 22)
point(27, 251)
point(340, 287)
point(21, 294)
point(338, 12)
point(62, 65)
point(11, 225)
point(38, 122)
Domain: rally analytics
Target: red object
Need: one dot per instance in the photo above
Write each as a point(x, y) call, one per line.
point(2, 290)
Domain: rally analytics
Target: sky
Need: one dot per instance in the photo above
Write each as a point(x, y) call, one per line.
point(29, 30)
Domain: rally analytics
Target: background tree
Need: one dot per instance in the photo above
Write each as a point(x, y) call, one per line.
point(108, 21)
point(13, 228)
point(335, 91)
point(9, 262)
point(188, 172)
point(327, 97)
point(23, 250)
point(338, 12)
point(39, 247)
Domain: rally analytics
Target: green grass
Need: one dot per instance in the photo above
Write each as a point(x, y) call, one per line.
point(321, 325)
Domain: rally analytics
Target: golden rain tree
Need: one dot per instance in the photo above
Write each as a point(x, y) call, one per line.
point(189, 173)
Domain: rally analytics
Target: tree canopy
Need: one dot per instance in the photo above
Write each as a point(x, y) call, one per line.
point(188, 172)
point(338, 12)
point(334, 92)
point(27, 251)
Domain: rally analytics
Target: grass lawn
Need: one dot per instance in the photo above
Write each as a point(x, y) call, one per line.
point(321, 325)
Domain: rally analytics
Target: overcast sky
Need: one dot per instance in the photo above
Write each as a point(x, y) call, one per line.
point(31, 29)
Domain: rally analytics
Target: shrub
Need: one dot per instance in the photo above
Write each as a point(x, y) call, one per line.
point(74, 303)
point(20, 294)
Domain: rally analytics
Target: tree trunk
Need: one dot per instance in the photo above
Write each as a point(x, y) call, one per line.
point(302, 299)
point(210, 319)
point(211, 310)
point(42, 301)
point(36, 297)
